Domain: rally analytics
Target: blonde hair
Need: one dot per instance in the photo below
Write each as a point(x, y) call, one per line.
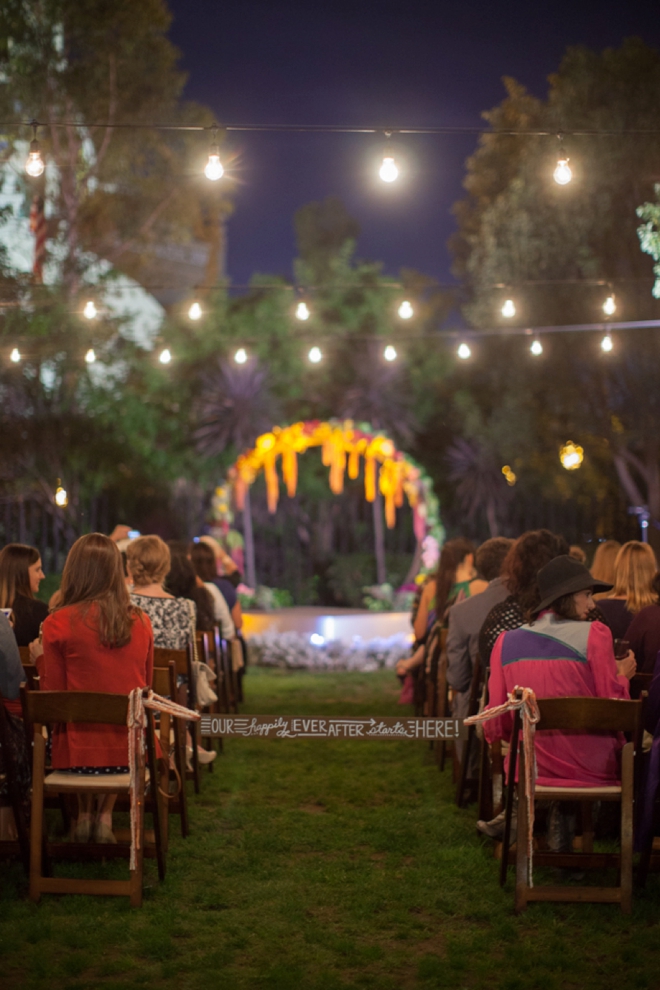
point(634, 569)
point(149, 560)
point(602, 567)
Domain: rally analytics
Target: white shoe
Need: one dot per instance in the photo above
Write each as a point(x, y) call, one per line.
point(203, 755)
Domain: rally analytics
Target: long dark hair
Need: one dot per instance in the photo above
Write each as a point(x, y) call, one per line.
point(94, 573)
point(530, 552)
point(203, 560)
point(15, 559)
point(452, 554)
point(181, 582)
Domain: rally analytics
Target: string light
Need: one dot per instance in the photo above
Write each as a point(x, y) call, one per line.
point(214, 169)
point(195, 311)
point(15, 355)
point(315, 355)
point(571, 456)
point(562, 173)
point(61, 497)
point(508, 308)
point(34, 163)
point(405, 310)
point(536, 347)
point(509, 475)
point(240, 357)
point(388, 170)
point(165, 356)
point(90, 356)
point(609, 306)
point(90, 311)
point(302, 311)
point(607, 343)
point(390, 353)
point(464, 351)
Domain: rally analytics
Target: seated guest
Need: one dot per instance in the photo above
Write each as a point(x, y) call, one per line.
point(181, 581)
point(634, 570)
point(558, 653)
point(11, 675)
point(602, 567)
point(95, 640)
point(527, 556)
point(227, 569)
point(643, 634)
point(20, 576)
point(172, 619)
point(203, 561)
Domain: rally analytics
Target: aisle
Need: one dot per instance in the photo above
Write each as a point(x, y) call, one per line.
point(317, 865)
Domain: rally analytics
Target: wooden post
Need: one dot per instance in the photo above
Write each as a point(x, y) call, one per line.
point(250, 569)
point(379, 537)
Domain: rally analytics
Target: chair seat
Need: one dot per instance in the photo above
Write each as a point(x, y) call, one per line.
point(577, 793)
point(111, 783)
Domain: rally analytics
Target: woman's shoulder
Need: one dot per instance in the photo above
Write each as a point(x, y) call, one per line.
point(33, 606)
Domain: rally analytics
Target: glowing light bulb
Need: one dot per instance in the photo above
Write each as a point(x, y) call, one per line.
point(571, 456)
point(405, 310)
point(388, 170)
point(34, 163)
point(562, 173)
point(90, 310)
point(536, 348)
point(61, 497)
point(213, 169)
point(315, 355)
point(90, 356)
point(509, 308)
point(390, 353)
point(240, 357)
point(464, 352)
point(302, 311)
point(195, 311)
point(607, 343)
point(15, 355)
point(609, 306)
point(165, 356)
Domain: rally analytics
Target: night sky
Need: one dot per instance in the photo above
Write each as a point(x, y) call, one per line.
point(383, 63)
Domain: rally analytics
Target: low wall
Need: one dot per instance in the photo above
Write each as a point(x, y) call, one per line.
point(343, 624)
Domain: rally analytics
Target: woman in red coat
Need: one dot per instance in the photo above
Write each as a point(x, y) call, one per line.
point(94, 641)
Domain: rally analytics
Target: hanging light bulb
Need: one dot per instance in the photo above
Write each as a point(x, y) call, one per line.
point(214, 169)
point(388, 170)
point(315, 355)
point(165, 356)
point(405, 310)
point(607, 343)
point(90, 356)
point(90, 310)
point(240, 357)
point(61, 497)
point(302, 311)
point(464, 351)
point(562, 173)
point(536, 347)
point(609, 306)
point(15, 355)
point(195, 311)
point(571, 456)
point(508, 308)
point(34, 163)
point(390, 353)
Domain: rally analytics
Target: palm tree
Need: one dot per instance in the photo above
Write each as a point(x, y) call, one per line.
point(480, 483)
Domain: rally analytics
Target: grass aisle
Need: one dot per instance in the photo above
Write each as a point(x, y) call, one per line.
point(320, 865)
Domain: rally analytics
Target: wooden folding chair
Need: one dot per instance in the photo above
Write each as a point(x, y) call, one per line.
point(183, 665)
point(75, 707)
point(9, 775)
point(468, 744)
point(164, 683)
point(580, 715)
point(24, 653)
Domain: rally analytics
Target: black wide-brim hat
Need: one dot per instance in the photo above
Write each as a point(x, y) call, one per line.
point(565, 576)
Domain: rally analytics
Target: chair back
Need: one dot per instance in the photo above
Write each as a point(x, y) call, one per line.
point(160, 681)
point(76, 706)
point(180, 658)
point(31, 676)
point(24, 653)
point(590, 714)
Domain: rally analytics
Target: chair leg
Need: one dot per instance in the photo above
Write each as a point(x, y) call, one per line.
point(156, 799)
point(465, 764)
point(37, 822)
point(180, 757)
point(521, 844)
point(626, 827)
point(586, 813)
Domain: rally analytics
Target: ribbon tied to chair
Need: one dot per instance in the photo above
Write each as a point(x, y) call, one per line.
point(521, 699)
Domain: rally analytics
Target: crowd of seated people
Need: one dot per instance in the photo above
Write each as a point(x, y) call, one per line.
point(98, 634)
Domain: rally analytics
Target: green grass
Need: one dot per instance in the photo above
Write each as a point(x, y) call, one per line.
point(324, 865)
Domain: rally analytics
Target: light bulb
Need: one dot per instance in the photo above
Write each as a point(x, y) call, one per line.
point(90, 356)
point(609, 306)
point(464, 352)
point(213, 169)
point(61, 497)
point(562, 173)
point(195, 311)
point(390, 353)
point(388, 170)
point(240, 357)
point(302, 311)
point(405, 310)
point(165, 356)
point(15, 355)
point(607, 343)
point(571, 456)
point(509, 308)
point(34, 163)
point(315, 355)
point(536, 347)
point(90, 310)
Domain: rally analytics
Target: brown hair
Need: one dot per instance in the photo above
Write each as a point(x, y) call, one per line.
point(93, 573)
point(149, 560)
point(564, 607)
point(452, 554)
point(634, 569)
point(203, 560)
point(15, 559)
point(530, 552)
point(602, 567)
point(491, 556)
